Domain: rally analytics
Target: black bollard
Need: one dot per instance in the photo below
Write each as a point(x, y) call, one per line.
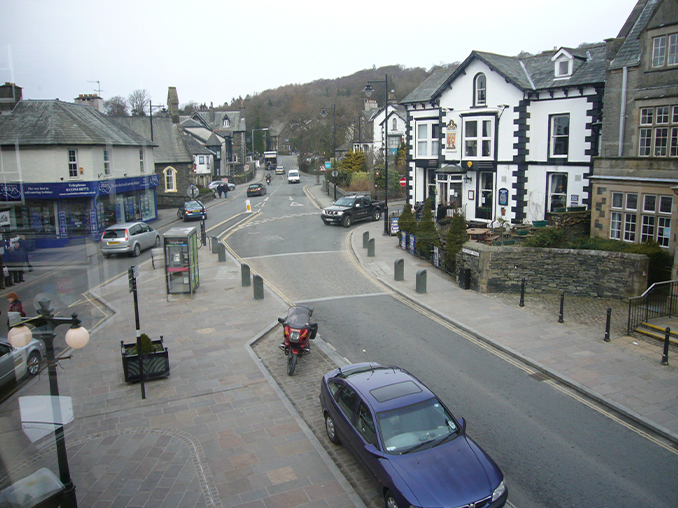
point(215, 245)
point(370, 248)
point(665, 356)
point(399, 269)
point(522, 293)
point(366, 237)
point(258, 287)
point(607, 325)
point(245, 275)
point(222, 253)
point(203, 234)
point(421, 281)
point(562, 300)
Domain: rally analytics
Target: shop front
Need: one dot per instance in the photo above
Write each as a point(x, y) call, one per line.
point(54, 214)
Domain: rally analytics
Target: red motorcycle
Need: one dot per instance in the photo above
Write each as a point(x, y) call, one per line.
point(298, 331)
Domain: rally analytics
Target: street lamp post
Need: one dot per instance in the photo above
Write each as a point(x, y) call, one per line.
point(334, 144)
point(76, 337)
point(150, 109)
point(368, 91)
point(264, 129)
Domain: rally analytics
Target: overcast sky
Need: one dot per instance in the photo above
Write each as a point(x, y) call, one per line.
point(214, 50)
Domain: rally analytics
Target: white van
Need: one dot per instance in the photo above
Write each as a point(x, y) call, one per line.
point(293, 176)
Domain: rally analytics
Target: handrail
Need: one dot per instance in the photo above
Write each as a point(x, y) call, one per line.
point(660, 299)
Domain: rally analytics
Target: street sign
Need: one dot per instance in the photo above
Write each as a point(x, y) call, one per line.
point(335, 173)
point(328, 165)
point(192, 191)
point(403, 181)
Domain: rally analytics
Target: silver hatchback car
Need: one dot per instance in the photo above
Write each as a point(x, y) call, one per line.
point(15, 363)
point(128, 238)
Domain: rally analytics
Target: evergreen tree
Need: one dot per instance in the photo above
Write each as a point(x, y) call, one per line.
point(406, 221)
point(456, 238)
point(427, 234)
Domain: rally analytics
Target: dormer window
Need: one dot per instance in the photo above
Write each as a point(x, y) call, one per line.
point(563, 68)
point(227, 123)
point(479, 90)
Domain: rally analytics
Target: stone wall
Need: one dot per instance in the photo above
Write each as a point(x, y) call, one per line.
point(577, 272)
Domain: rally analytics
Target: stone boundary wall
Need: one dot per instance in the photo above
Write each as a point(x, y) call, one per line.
point(577, 272)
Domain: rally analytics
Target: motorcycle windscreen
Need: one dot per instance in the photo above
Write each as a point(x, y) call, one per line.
point(297, 317)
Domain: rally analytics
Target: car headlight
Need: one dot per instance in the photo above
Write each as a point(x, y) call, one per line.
point(499, 491)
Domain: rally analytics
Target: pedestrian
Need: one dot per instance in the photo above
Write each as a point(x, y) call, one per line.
point(24, 247)
point(225, 190)
point(15, 305)
point(220, 189)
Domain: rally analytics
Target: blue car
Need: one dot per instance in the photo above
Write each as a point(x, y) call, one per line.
point(407, 440)
point(192, 210)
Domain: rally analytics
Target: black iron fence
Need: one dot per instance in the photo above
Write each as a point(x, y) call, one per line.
point(660, 300)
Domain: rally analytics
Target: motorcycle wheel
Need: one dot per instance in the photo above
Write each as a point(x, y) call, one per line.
point(291, 363)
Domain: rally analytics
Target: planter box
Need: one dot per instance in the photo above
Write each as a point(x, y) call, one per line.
point(540, 223)
point(156, 365)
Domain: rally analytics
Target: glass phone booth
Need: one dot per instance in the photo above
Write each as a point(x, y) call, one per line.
point(181, 260)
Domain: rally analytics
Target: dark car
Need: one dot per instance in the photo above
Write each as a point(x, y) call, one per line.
point(192, 210)
point(407, 440)
point(256, 189)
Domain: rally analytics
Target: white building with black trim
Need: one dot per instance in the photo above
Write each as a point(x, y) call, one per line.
point(507, 138)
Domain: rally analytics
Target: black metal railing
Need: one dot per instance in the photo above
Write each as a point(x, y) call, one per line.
point(660, 299)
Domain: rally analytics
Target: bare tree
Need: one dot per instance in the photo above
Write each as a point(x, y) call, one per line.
point(116, 106)
point(138, 100)
point(189, 108)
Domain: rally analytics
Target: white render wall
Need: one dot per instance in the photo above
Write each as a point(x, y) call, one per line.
point(50, 164)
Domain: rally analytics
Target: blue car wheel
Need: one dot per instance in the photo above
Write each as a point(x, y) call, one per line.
point(331, 430)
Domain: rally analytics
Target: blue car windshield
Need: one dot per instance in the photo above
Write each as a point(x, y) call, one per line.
point(425, 424)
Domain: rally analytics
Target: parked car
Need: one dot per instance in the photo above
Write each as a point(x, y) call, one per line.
point(128, 238)
point(407, 440)
point(293, 176)
point(280, 170)
point(216, 183)
point(256, 189)
point(192, 210)
point(16, 363)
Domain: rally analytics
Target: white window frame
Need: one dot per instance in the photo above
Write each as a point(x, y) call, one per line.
point(658, 51)
point(649, 203)
point(615, 225)
point(72, 163)
point(481, 138)
point(170, 177)
point(647, 228)
point(663, 231)
point(427, 143)
point(559, 69)
point(141, 160)
point(628, 205)
point(107, 162)
point(480, 92)
point(672, 50)
point(558, 136)
point(630, 226)
point(621, 197)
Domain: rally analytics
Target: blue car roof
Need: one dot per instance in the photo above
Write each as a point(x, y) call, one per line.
point(384, 387)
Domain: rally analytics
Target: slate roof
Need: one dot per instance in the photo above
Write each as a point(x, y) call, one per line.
point(629, 53)
point(53, 122)
point(430, 88)
point(533, 72)
point(171, 147)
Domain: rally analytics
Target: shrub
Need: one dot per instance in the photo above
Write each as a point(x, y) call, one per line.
point(406, 221)
point(456, 238)
point(361, 182)
point(427, 234)
point(548, 238)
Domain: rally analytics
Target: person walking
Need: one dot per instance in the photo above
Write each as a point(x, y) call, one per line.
point(220, 189)
point(13, 260)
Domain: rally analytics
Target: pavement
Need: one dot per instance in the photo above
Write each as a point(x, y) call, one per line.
point(228, 428)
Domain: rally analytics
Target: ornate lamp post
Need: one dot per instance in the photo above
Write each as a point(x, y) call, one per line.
point(368, 91)
point(76, 337)
point(334, 145)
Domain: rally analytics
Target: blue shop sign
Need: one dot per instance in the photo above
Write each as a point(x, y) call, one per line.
point(13, 191)
point(503, 197)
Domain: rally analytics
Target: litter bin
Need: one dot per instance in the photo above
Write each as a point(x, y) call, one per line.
point(465, 278)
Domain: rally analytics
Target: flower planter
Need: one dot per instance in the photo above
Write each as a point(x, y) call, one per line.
point(540, 223)
point(156, 364)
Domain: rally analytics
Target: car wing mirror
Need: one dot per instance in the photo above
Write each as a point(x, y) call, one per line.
point(372, 450)
point(281, 320)
point(462, 424)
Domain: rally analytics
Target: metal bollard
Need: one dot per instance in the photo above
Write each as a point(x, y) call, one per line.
point(399, 269)
point(222, 253)
point(245, 274)
point(370, 248)
point(366, 237)
point(607, 325)
point(421, 281)
point(215, 244)
point(522, 293)
point(258, 287)
point(665, 355)
point(562, 300)
point(203, 234)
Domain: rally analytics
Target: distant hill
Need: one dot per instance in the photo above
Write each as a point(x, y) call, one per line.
point(300, 104)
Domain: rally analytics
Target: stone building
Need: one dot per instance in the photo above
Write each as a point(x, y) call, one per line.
point(635, 179)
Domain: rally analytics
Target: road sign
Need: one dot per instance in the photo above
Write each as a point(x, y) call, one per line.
point(192, 191)
point(328, 165)
point(403, 181)
point(335, 173)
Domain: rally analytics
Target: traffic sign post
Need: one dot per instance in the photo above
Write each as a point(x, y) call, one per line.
point(403, 181)
point(192, 191)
